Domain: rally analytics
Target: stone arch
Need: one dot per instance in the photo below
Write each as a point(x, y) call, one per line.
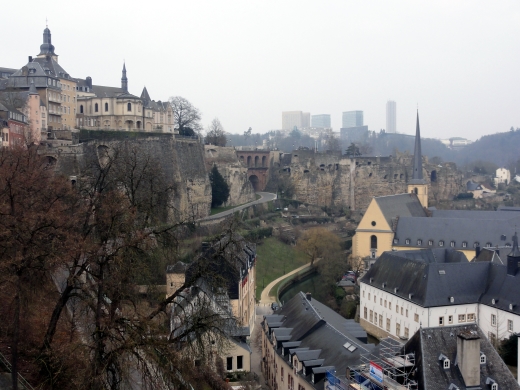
point(129, 124)
point(138, 124)
point(255, 182)
point(256, 161)
point(264, 158)
point(433, 176)
point(248, 161)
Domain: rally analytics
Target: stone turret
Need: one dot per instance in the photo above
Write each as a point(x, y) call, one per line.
point(47, 48)
point(418, 185)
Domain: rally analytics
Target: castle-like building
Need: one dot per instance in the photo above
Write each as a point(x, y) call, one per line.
point(61, 102)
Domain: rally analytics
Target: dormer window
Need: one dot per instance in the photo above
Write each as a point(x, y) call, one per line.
point(396, 241)
point(419, 242)
point(482, 358)
point(430, 242)
point(475, 244)
point(452, 244)
point(445, 361)
point(407, 241)
point(441, 243)
point(488, 245)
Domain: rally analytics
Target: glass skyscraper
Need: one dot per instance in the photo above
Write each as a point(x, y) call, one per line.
point(352, 119)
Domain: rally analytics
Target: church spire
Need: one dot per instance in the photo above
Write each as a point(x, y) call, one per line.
point(124, 80)
point(417, 176)
point(47, 49)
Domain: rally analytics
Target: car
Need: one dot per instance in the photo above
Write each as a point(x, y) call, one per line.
point(274, 306)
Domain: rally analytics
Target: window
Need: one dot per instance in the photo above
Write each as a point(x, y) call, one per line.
point(441, 321)
point(380, 321)
point(416, 317)
point(452, 244)
point(406, 313)
point(441, 243)
point(482, 358)
point(446, 363)
point(365, 311)
point(493, 320)
point(373, 242)
point(388, 324)
point(96, 108)
point(106, 107)
point(396, 241)
point(419, 242)
point(129, 107)
point(510, 325)
point(371, 316)
point(492, 338)
point(475, 244)
point(385, 303)
point(390, 305)
point(240, 365)
point(430, 242)
point(488, 245)
point(380, 301)
point(464, 244)
point(229, 363)
point(374, 299)
point(375, 318)
point(397, 309)
point(494, 386)
point(402, 311)
point(470, 317)
point(81, 109)
point(406, 332)
point(368, 296)
point(407, 241)
point(462, 317)
point(373, 223)
point(398, 329)
point(450, 319)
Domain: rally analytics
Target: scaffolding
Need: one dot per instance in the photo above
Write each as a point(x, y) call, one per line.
point(397, 369)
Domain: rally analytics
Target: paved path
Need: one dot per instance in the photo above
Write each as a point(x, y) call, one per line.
point(264, 197)
point(265, 298)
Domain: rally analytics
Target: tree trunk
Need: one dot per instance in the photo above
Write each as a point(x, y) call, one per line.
point(53, 323)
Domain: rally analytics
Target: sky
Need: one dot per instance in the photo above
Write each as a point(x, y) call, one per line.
point(247, 61)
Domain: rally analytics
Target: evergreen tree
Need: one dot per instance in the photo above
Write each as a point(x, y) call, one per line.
point(219, 188)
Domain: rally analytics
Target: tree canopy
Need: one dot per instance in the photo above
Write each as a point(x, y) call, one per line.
point(215, 134)
point(353, 151)
point(219, 188)
point(186, 116)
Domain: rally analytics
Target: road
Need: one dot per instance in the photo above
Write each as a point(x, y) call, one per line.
point(264, 197)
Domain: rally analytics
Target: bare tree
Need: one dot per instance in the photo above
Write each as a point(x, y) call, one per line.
point(215, 134)
point(186, 116)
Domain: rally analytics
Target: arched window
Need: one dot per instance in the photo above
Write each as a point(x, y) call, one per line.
point(433, 176)
point(129, 107)
point(106, 107)
point(81, 109)
point(373, 242)
point(415, 191)
point(96, 108)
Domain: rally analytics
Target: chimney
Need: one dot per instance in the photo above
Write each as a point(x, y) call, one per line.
point(308, 296)
point(30, 58)
point(89, 82)
point(477, 251)
point(468, 357)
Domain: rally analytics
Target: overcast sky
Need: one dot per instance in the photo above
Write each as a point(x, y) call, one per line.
point(247, 61)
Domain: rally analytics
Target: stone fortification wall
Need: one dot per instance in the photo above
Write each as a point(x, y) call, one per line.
point(234, 172)
point(328, 179)
point(181, 159)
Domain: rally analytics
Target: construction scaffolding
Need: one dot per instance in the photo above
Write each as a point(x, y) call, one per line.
point(390, 370)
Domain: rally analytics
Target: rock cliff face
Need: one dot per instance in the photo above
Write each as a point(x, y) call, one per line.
point(181, 159)
point(234, 172)
point(329, 179)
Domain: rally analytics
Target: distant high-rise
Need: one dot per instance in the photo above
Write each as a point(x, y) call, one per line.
point(352, 119)
point(390, 116)
point(292, 119)
point(322, 121)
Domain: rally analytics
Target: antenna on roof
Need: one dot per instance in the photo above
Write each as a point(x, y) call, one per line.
point(46, 22)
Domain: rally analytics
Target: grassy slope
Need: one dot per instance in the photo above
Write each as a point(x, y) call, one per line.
point(272, 255)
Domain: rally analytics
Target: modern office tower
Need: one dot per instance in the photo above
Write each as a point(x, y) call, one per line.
point(292, 119)
point(352, 119)
point(390, 116)
point(321, 121)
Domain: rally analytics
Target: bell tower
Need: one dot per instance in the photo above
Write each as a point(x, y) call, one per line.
point(418, 185)
point(124, 80)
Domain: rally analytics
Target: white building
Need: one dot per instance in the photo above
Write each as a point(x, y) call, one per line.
point(405, 290)
point(502, 175)
point(391, 117)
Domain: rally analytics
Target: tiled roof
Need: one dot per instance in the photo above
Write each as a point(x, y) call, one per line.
point(402, 205)
point(429, 343)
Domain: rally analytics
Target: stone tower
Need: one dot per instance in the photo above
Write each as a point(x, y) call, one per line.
point(418, 185)
point(124, 80)
point(47, 48)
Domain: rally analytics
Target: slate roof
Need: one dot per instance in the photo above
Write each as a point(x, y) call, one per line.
point(430, 276)
point(111, 92)
point(177, 268)
point(318, 335)
point(490, 255)
point(401, 205)
point(503, 288)
point(474, 229)
point(472, 186)
point(429, 343)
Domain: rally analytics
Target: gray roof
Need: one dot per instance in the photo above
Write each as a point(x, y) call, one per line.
point(472, 186)
point(430, 276)
point(472, 214)
point(110, 92)
point(495, 231)
point(318, 336)
point(401, 205)
point(429, 343)
point(177, 268)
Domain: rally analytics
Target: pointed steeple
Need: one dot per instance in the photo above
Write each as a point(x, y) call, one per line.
point(47, 49)
point(124, 80)
point(417, 176)
point(32, 89)
point(145, 96)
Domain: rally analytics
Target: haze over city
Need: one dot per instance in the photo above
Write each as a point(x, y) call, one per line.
point(246, 62)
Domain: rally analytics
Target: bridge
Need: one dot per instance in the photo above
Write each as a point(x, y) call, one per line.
point(257, 163)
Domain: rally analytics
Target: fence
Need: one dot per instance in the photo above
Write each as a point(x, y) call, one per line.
point(22, 383)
